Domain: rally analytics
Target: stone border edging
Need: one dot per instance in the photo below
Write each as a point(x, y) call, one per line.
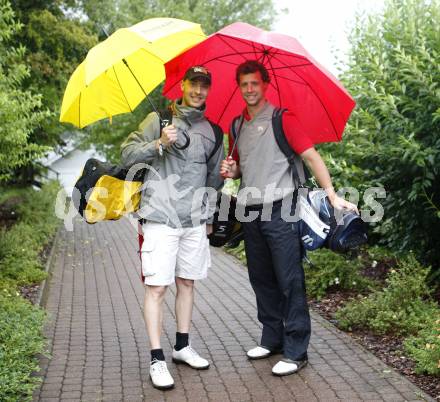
point(44, 287)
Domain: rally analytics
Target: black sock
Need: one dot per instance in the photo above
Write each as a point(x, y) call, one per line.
point(181, 341)
point(157, 354)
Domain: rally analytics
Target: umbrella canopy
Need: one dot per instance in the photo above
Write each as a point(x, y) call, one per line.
point(119, 72)
point(298, 82)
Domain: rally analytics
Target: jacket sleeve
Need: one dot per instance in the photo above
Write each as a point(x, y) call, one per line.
point(140, 145)
point(214, 180)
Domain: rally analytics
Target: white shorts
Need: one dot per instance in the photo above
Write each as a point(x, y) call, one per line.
point(167, 253)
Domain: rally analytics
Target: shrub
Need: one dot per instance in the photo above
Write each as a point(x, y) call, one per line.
point(19, 255)
point(20, 340)
point(380, 254)
point(20, 322)
point(424, 348)
point(21, 245)
point(403, 306)
point(38, 210)
point(328, 269)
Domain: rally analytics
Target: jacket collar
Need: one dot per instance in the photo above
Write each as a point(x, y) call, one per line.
point(188, 113)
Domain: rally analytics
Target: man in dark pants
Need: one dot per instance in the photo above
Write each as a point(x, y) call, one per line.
point(272, 243)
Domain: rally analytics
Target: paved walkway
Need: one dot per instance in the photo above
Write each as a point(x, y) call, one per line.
point(99, 344)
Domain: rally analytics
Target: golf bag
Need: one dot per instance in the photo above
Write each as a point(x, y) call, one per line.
point(225, 232)
point(320, 225)
point(104, 193)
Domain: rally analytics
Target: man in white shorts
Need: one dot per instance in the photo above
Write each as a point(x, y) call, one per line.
point(184, 158)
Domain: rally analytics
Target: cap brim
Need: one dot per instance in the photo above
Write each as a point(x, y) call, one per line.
point(201, 77)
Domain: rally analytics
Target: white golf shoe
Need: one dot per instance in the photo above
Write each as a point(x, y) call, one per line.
point(189, 356)
point(287, 366)
point(259, 352)
point(160, 376)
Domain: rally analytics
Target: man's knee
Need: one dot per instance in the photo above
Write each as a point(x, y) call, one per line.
point(156, 292)
point(185, 284)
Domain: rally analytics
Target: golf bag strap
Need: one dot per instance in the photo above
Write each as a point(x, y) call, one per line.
point(299, 171)
point(234, 127)
point(236, 132)
point(218, 133)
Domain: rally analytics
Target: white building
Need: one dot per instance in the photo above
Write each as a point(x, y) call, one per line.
point(67, 162)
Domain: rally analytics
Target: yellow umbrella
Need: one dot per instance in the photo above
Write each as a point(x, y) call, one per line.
point(119, 72)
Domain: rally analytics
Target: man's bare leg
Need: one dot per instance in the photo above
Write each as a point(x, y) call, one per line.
point(184, 304)
point(153, 315)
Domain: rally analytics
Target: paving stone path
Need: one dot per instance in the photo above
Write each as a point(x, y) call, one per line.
point(99, 346)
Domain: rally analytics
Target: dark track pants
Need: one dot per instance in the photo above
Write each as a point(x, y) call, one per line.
point(274, 257)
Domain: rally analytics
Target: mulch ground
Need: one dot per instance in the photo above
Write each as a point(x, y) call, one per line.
point(388, 348)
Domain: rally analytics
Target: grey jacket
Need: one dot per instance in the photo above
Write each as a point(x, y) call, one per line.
point(173, 192)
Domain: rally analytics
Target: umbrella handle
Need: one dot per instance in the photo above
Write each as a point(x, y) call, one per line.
point(164, 123)
point(187, 141)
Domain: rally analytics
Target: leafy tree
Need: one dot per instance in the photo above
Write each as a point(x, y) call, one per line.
point(55, 44)
point(211, 14)
point(393, 136)
point(20, 111)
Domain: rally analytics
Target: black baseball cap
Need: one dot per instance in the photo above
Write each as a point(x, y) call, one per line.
point(198, 72)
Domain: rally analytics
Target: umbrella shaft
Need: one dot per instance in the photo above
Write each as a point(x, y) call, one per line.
point(237, 134)
point(143, 90)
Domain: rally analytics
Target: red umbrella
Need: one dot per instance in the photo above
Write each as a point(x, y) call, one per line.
point(298, 82)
